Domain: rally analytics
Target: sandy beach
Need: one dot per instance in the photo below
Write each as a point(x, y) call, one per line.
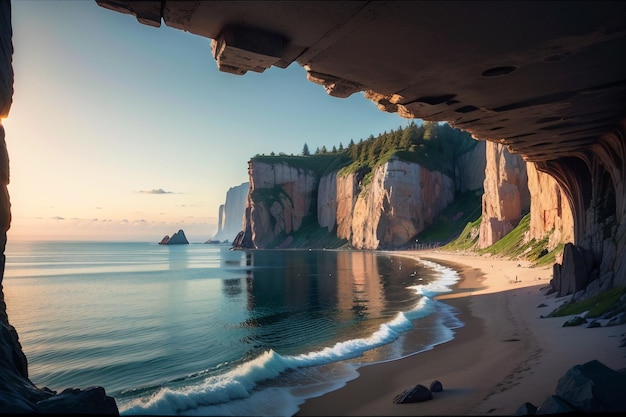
point(506, 354)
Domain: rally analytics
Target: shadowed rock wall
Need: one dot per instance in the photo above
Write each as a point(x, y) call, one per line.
point(593, 180)
point(17, 393)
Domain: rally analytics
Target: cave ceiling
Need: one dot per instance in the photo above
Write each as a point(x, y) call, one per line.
point(544, 78)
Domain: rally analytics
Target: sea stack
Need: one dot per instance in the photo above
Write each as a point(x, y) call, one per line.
point(177, 238)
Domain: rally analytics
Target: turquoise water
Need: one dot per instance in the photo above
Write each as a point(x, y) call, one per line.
point(202, 330)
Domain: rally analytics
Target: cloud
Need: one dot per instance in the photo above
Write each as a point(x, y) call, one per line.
point(58, 218)
point(156, 191)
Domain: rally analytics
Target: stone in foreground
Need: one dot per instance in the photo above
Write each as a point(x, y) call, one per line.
point(417, 394)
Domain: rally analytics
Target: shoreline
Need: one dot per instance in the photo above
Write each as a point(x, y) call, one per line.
point(504, 355)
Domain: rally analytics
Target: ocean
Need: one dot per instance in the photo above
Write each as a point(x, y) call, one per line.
point(203, 330)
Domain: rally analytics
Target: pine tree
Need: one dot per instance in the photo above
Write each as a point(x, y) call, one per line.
point(305, 150)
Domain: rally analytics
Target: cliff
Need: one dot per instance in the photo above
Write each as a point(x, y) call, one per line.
point(230, 216)
point(401, 200)
point(506, 196)
point(384, 210)
point(513, 188)
point(550, 213)
point(279, 199)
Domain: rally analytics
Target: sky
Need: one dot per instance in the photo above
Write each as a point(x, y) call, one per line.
point(125, 132)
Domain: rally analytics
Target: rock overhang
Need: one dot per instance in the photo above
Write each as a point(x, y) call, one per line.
point(544, 78)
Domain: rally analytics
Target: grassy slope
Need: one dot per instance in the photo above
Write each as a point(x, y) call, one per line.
point(512, 245)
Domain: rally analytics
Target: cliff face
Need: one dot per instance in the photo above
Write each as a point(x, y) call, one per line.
point(470, 170)
point(280, 197)
point(399, 201)
point(506, 198)
point(550, 212)
point(230, 221)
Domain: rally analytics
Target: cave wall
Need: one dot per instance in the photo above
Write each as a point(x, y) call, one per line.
point(593, 181)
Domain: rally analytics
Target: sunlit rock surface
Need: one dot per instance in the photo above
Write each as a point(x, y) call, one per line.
point(506, 198)
point(400, 201)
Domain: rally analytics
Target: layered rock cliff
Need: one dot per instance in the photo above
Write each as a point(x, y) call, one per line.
point(514, 188)
point(230, 217)
point(506, 197)
point(550, 212)
point(402, 199)
point(279, 199)
point(385, 209)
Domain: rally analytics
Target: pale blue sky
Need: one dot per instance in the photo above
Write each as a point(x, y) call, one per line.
point(106, 109)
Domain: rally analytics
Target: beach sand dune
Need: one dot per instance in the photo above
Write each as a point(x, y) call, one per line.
point(506, 354)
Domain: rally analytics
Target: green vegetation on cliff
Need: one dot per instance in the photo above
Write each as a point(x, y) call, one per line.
point(449, 223)
point(320, 164)
point(513, 245)
point(595, 306)
point(435, 146)
point(432, 145)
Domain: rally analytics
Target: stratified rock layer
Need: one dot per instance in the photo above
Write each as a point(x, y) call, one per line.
point(550, 211)
point(506, 198)
point(401, 199)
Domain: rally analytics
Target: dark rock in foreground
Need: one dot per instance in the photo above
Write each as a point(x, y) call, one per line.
point(436, 386)
point(92, 400)
point(177, 238)
point(18, 395)
point(589, 388)
point(417, 394)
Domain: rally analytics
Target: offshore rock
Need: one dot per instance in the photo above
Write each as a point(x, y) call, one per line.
point(177, 238)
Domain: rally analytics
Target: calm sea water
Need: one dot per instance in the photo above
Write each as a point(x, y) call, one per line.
point(202, 330)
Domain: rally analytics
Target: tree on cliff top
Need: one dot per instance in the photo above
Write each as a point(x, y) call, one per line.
point(434, 146)
point(305, 150)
